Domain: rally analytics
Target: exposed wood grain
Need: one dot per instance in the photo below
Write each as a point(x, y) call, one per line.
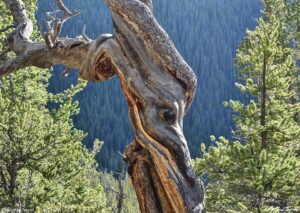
point(159, 87)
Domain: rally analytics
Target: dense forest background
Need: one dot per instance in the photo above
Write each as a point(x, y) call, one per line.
point(206, 33)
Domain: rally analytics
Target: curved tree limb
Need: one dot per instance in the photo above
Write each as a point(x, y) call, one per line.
point(137, 22)
point(70, 52)
point(158, 84)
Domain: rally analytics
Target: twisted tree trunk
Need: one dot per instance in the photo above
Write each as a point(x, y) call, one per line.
point(158, 84)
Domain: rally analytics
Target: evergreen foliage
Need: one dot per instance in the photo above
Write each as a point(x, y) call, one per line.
point(42, 163)
point(259, 172)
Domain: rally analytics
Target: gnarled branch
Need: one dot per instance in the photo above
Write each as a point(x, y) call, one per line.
point(70, 52)
point(158, 84)
point(55, 24)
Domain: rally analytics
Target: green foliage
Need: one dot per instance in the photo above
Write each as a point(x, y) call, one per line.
point(259, 172)
point(111, 186)
point(42, 163)
point(287, 13)
point(43, 166)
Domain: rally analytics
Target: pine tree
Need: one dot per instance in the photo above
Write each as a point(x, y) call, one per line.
point(42, 162)
point(287, 12)
point(259, 172)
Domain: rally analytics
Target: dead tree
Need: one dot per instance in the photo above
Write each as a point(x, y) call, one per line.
point(158, 84)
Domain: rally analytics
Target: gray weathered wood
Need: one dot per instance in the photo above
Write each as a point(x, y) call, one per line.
point(158, 84)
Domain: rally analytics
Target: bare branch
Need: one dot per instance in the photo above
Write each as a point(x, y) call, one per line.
point(71, 52)
point(24, 25)
point(67, 13)
point(6, 28)
point(55, 24)
point(84, 36)
point(109, 188)
point(66, 72)
point(121, 195)
point(51, 17)
point(9, 66)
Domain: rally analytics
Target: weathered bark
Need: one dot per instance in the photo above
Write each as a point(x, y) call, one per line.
point(264, 136)
point(121, 195)
point(159, 87)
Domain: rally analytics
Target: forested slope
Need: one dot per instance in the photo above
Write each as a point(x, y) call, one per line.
point(207, 34)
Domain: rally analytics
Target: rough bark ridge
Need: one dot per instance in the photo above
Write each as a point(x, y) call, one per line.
point(158, 84)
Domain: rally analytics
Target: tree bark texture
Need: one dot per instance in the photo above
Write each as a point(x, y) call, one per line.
point(158, 84)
